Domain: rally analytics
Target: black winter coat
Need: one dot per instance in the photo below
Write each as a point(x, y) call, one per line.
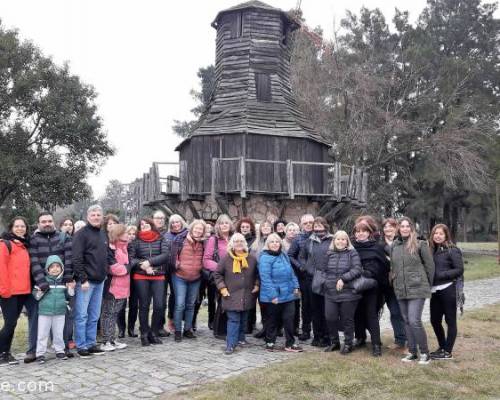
point(90, 255)
point(374, 262)
point(294, 251)
point(449, 265)
point(156, 252)
point(344, 265)
point(314, 254)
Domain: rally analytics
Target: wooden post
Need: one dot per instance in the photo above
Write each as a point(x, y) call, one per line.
point(243, 178)
point(359, 184)
point(337, 184)
point(289, 172)
point(215, 165)
point(364, 188)
point(183, 180)
point(350, 185)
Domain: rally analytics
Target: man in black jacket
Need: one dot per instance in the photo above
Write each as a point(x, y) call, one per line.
point(90, 248)
point(45, 242)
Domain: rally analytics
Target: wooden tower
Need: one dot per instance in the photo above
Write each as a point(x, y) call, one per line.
point(253, 152)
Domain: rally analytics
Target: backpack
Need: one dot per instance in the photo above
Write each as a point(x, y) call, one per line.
point(8, 244)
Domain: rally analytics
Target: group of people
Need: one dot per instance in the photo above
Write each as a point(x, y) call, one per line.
point(307, 282)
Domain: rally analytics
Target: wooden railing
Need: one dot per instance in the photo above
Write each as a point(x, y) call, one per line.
point(339, 181)
point(336, 181)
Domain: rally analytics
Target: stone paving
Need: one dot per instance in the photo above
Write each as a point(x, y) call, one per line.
point(139, 372)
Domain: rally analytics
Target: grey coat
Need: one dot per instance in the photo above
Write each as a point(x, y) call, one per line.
point(412, 274)
point(344, 265)
point(240, 286)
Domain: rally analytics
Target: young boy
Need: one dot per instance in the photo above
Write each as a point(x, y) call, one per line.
point(51, 311)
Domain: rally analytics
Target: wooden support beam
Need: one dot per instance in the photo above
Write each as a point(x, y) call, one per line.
point(215, 166)
point(223, 204)
point(183, 183)
point(243, 178)
point(359, 184)
point(193, 209)
point(364, 188)
point(325, 206)
point(289, 172)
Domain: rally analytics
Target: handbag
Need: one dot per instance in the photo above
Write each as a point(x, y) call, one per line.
point(206, 274)
point(318, 282)
point(363, 283)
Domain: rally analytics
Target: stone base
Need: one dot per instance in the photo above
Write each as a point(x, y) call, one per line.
point(258, 207)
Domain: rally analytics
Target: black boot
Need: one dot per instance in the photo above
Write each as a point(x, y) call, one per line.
point(154, 339)
point(359, 343)
point(333, 347)
point(144, 340)
point(346, 349)
point(131, 332)
point(377, 350)
point(121, 333)
point(260, 334)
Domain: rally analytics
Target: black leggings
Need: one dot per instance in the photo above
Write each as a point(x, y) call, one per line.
point(277, 314)
point(444, 303)
point(346, 310)
point(148, 290)
point(133, 309)
point(11, 310)
point(366, 316)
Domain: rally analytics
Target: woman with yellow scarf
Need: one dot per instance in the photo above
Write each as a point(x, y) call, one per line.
point(237, 280)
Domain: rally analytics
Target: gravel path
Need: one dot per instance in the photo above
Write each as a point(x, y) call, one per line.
point(138, 372)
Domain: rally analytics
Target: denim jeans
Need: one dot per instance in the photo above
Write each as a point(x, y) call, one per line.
point(412, 313)
point(397, 321)
point(186, 294)
point(87, 312)
point(236, 327)
point(32, 311)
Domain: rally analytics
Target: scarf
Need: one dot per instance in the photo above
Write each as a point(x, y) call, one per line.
point(239, 262)
point(148, 236)
point(11, 237)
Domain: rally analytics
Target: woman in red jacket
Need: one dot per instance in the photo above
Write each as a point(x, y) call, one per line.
point(15, 283)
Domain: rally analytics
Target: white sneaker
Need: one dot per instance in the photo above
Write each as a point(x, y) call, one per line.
point(425, 359)
point(119, 346)
point(107, 347)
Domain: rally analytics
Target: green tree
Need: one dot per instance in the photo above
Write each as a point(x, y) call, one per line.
point(206, 75)
point(417, 106)
point(51, 136)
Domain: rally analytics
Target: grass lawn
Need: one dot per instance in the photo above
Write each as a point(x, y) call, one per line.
point(474, 374)
point(490, 246)
point(480, 267)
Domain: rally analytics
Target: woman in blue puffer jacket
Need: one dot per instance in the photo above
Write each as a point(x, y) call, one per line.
point(279, 288)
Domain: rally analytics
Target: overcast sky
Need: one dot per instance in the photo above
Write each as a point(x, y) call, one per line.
point(142, 58)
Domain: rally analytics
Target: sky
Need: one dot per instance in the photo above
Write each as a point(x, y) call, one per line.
point(142, 58)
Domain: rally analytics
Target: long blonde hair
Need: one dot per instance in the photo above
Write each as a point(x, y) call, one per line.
point(412, 242)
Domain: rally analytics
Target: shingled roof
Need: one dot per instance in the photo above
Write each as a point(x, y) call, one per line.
point(258, 47)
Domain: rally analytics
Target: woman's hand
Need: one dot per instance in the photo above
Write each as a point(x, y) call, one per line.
point(145, 265)
point(150, 271)
point(256, 289)
point(275, 300)
point(296, 292)
point(224, 292)
point(340, 285)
